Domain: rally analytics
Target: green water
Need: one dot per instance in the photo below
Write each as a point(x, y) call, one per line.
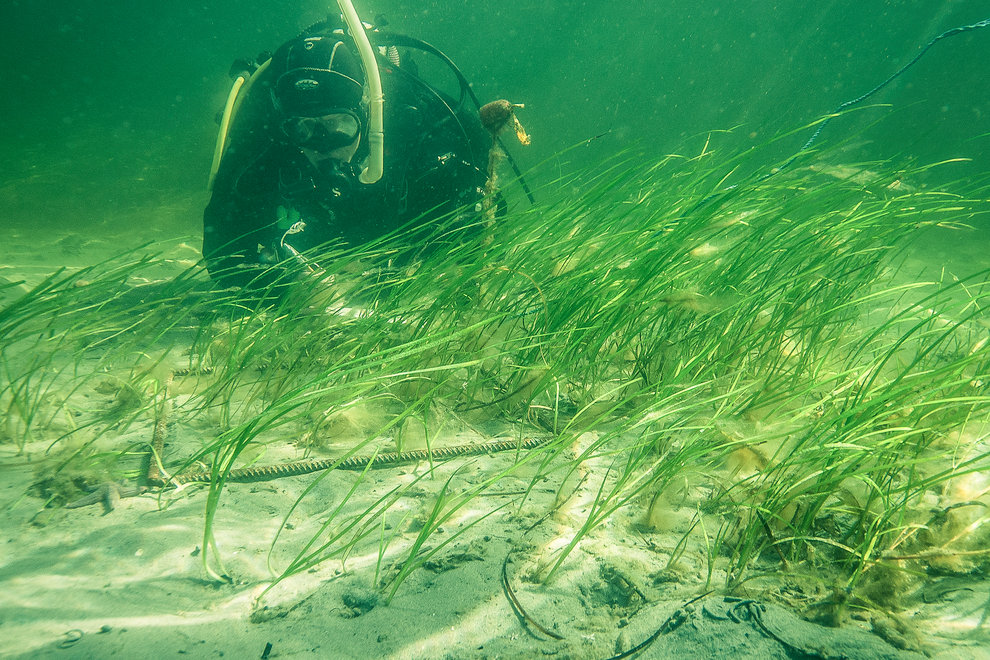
point(109, 106)
point(716, 371)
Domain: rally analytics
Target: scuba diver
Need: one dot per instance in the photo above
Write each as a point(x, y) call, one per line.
point(288, 176)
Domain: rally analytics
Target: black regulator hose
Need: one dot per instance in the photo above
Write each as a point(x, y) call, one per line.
point(466, 90)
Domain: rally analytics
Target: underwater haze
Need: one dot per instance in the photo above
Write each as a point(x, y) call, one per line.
point(721, 388)
point(114, 103)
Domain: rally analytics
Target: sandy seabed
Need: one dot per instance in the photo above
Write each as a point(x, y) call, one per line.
point(82, 583)
point(129, 583)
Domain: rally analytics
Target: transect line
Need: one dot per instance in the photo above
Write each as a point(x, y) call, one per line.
point(296, 468)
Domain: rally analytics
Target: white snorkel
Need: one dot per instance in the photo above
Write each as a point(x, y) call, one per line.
point(376, 104)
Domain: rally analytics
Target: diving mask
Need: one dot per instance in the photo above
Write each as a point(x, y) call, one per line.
point(323, 134)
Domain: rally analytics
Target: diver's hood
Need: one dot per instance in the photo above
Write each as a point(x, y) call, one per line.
point(316, 75)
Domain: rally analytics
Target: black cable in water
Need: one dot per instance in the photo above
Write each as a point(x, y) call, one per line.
point(847, 104)
point(859, 99)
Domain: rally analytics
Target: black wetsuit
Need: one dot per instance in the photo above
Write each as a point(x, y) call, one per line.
point(435, 161)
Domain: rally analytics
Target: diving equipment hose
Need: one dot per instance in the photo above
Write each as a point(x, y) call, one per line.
point(229, 111)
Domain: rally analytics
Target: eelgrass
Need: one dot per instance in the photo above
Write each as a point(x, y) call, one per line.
point(658, 308)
